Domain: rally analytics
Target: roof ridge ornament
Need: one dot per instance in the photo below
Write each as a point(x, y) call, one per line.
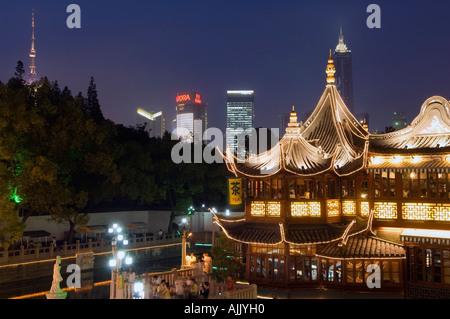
point(331, 70)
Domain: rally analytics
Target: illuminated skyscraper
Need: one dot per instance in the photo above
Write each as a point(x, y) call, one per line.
point(190, 109)
point(155, 122)
point(32, 76)
point(344, 72)
point(240, 116)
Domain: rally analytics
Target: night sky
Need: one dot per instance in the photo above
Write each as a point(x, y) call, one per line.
point(141, 53)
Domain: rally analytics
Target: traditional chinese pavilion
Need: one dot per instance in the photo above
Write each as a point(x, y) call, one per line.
point(330, 199)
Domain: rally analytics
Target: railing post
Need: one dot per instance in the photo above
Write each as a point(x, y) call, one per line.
point(36, 252)
point(90, 243)
point(22, 252)
point(65, 247)
point(77, 245)
point(134, 241)
point(5, 254)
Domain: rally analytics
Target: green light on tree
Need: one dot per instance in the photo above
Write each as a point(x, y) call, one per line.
point(15, 197)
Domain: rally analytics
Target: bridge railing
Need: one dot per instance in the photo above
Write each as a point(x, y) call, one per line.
point(39, 252)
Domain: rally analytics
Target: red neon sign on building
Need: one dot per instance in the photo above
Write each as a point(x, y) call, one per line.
point(184, 97)
point(187, 97)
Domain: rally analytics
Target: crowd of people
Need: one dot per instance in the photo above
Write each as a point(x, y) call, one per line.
point(156, 287)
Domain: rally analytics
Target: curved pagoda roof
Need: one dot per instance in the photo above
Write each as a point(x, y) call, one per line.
point(351, 239)
point(330, 140)
point(429, 133)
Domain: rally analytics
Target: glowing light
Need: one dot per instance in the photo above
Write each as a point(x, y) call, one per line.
point(448, 159)
point(243, 92)
point(148, 115)
point(258, 209)
point(349, 208)
point(15, 198)
point(412, 175)
point(333, 208)
point(112, 263)
point(120, 237)
point(377, 160)
point(397, 159)
point(128, 260)
point(416, 159)
point(309, 209)
point(426, 211)
point(121, 255)
point(385, 210)
point(365, 209)
point(184, 97)
point(444, 234)
point(274, 209)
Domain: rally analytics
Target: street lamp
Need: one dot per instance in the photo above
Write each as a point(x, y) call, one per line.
point(138, 288)
point(118, 242)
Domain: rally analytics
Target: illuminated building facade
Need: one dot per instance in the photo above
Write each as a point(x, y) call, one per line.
point(240, 117)
point(190, 108)
point(155, 122)
point(332, 199)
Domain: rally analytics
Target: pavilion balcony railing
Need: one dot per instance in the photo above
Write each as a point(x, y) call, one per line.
point(103, 245)
point(406, 210)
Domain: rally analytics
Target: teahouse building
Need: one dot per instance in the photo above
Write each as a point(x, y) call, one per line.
point(331, 199)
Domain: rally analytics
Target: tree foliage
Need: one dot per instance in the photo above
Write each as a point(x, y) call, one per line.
point(60, 157)
point(226, 260)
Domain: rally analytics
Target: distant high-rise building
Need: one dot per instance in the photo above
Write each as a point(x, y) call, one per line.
point(399, 120)
point(284, 121)
point(190, 108)
point(344, 72)
point(364, 119)
point(155, 122)
point(240, 116)
point(32, 76)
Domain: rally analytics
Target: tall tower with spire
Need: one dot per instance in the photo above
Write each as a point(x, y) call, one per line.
point(344, 72)
point(32, 76)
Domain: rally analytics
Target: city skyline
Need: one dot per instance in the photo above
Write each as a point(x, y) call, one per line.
point(220, 56)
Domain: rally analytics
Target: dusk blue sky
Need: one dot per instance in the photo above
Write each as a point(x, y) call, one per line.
point(141, 53)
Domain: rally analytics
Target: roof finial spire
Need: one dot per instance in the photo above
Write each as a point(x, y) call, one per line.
point(331, 70)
